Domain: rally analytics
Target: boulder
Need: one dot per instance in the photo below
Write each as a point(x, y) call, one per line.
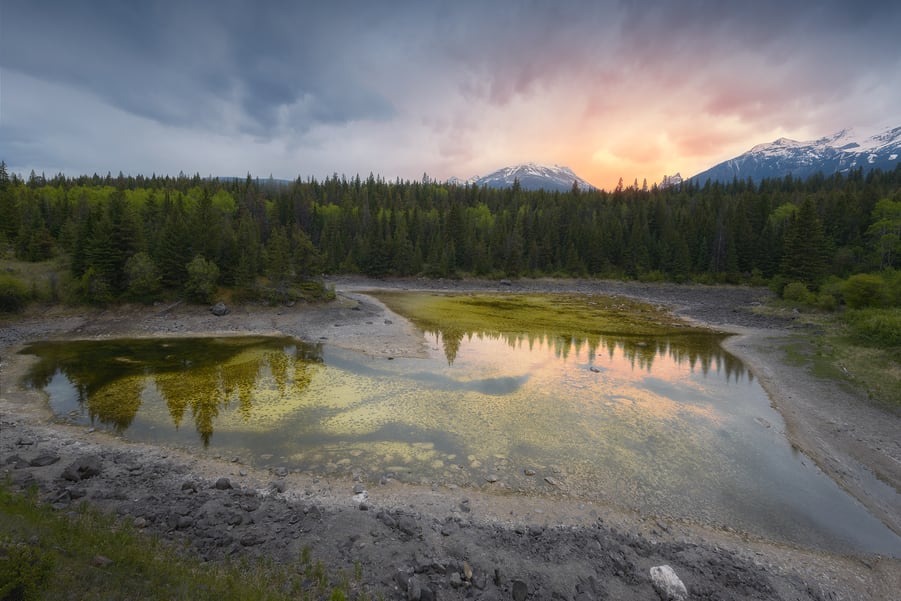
point(219, 309)
point(83, 468)
point(667, 584)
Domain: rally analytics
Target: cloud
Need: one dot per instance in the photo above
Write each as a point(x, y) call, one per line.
point(452, 88)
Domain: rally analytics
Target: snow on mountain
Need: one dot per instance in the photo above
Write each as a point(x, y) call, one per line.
point(669, 181)
point(531, 176)
point(838, 153)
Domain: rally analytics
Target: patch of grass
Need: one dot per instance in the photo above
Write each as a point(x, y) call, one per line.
point(563, 314)
point(84, 554)
point(44, 280)
point(862, 347)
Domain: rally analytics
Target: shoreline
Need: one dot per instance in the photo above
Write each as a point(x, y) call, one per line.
point(356, 321)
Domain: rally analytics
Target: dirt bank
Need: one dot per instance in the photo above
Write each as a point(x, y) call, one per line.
point(421, 542)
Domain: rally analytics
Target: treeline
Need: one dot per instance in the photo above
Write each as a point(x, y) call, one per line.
point(142, 238)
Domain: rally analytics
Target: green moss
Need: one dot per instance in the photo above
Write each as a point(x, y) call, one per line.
point(577, 315)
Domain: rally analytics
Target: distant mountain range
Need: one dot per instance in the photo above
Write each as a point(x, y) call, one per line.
point(837, 153)
point(531, 176)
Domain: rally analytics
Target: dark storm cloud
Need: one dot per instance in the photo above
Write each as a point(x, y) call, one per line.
point(177, 62)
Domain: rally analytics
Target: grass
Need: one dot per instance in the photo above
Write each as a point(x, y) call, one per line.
point(861, 347)
point(85, 555)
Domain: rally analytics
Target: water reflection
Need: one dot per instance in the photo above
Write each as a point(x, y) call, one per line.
point(193, 377)
point(700, 350)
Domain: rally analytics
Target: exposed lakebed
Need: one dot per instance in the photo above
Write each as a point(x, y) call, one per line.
point(582, 396)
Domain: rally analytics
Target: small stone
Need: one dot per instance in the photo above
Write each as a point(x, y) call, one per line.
point(491, 478)
point(189, 485)
point(140, 523)
point(277, 485)
point(467, 571)
point(455, 580)
point(667, 584)
point(529, 471)
point(242, 472)
point(551, 481)
point(184, 522)
point(44, 460)
point(219, 309)
point(520, 590)
point(101, 561)
point(358, 489)
point(364, 506)
point(223, 484)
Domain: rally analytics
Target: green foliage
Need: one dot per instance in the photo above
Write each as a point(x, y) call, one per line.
point(779, 231)
point(879, 327)
point(24, 570)
point(865, 290)
point(797, 292)
point(202, 281)
point(144, 281)
point(14, 293)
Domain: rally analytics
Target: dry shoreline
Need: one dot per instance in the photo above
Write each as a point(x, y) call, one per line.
point(844, 433)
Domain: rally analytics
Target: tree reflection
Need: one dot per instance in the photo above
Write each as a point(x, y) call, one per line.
point(700, 350)
point(199, 376)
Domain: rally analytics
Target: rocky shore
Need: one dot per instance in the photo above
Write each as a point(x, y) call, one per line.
point(413, 542)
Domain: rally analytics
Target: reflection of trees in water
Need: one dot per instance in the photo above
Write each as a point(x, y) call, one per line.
point(700, 351)
point(200, 375)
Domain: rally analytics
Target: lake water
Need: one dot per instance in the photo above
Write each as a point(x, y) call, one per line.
point(667, 426)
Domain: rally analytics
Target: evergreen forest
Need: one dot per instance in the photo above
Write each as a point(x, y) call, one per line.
point(143, 239)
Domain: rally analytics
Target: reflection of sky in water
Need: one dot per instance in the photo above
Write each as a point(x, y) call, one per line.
point(672, 428)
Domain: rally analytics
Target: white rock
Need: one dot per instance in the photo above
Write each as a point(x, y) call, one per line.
point(667, 584)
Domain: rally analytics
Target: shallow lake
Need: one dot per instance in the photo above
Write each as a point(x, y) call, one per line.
point(668, 425)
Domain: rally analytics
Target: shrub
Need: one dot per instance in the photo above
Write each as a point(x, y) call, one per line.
point(865, 290)
point(23, 571)
point(202, 278)
point(144, 281)
point(826, 301)
point(798, 292)
point(881, 327)
point(14, 293)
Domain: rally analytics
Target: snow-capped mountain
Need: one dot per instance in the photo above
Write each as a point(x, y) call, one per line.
point(531, 177)
point(669, 181)
point(837, 153)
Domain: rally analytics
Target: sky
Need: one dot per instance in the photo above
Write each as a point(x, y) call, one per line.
point(613, 89)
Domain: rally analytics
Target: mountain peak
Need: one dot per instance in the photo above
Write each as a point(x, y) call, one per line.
point(838, 153)
point(531, 176)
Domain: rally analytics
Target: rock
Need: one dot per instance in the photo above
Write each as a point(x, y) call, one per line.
point(667, 584)
point(456, 581)
point(222, 484)
point(219, 309)
point(189, 485)
point(491, 478)
point(184, 522)
point(140, 523)
point(552, 481)
point(277, 485)
point(82, 469)
point(427, 594)
point(408, 525)
point(414, 590)
point(529, 471)
point(520, 590)
point(505, 283)
point(358, 489)
point(44, 459)
point(467, 571)
point(101, 561)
